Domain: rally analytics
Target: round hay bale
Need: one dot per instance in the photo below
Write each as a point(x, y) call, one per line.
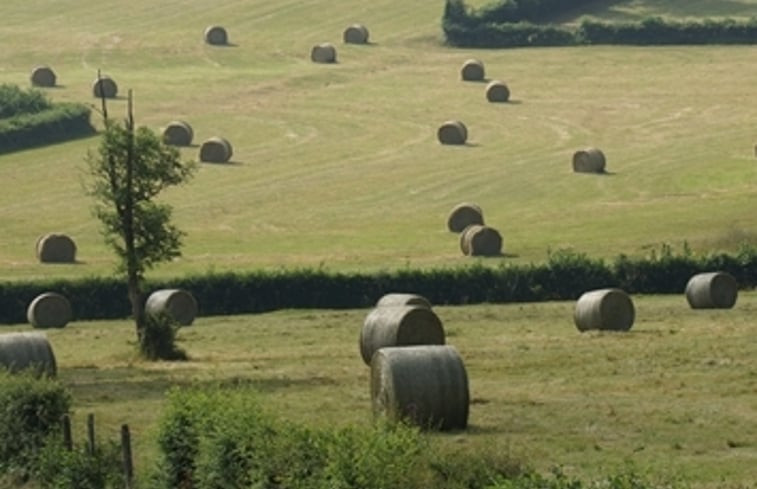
point(216, 150)
point(589, 160)
point(605, 309)
point(104, 87)
point(427, 385)
point(356, 34)
point(399, 326)
point(216, 35)
point(178, 133)
point(497, 91)
point(56, 248)
point(480, 240)
point(472, 70)
point(49, 310)
point(323, 53)
point(463, 215)
point(452, 132)
point(402, 299)
point(43, 76)
point(21, 351)
point(713, 290)
point(179, 304)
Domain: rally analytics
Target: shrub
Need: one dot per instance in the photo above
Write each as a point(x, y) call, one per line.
point(57, 467)
point(158, 339)
point(15, 101)
point(30, 410)
point(61, 122)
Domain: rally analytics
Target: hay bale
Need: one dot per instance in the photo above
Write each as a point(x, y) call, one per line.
point(179, 304)
point(402, 299)
point(178, 133)
point(427, 385)
point(605, 309)
point(323, 53)
point(589, 160)
point(463, 215)
point(104, 87)
point(56, 248)
point(21, 351)
point(49, 310)
point(497, 91)
point(216, 150)
point(356, 34)
point(472, 70)
point(216, 35)
point(480, 240)
point(452, 132)
point(399, 326)
point(43, 76)
point(713, 290)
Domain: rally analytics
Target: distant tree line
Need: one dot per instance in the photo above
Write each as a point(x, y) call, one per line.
point(514, 23)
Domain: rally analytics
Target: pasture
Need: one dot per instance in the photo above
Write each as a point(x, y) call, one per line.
point(672, 399)
point(338, 166)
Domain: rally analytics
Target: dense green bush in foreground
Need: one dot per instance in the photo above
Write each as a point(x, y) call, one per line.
point(564, 276)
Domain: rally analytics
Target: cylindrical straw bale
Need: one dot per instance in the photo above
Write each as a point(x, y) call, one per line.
point(323, 53)
point(606, 309)
point(43, 76)
point(713, 290)
point(104, 87)
point(480, 240)
point(21, 351)
point(497, 91)
point(463, 215)
point(472, 70)
point(179, 304)
point(452, 132)
point(427, 385)
point(399, 326)
point(216, 35)
point(178, 133)
point(56, 248)
point(356, 34)
point(403, 299)
point(216, 150)
point(49, 310)
point(589, 160)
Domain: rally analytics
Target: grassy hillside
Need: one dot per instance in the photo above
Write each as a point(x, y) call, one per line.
point(338, 166)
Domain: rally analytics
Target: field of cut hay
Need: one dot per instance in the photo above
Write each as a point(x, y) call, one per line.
point(338, 165)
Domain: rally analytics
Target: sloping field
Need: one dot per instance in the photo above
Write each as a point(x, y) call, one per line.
point(338, 165)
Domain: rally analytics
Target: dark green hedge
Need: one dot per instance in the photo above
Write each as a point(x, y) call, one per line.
point(564, 276)
point(515, 23)
point(62, 122)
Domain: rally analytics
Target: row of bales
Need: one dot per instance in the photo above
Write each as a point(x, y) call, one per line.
point(416, 376)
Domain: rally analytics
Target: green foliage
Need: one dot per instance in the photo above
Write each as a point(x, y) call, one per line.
point(15, 101)
point(158, 340)
point(125, 196)
point(511, 23)
point(61, 122)
point(474, 468)
point(559, 480)
point(565, 275)
point(30, 410)
point(56, 467)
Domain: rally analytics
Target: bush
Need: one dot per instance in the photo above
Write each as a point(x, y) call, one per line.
point(60, 122)
point(57, 467)
point(31, 409)
point(15, 101)
point(158, 339)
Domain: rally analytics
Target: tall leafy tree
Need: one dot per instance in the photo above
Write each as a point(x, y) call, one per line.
point(129, 170)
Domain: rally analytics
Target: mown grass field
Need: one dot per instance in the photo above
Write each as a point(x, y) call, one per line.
point(338, 166)
point(671, 400)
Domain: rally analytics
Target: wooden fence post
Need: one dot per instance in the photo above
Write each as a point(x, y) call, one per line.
point(91, 433)
point(67, 439)
point(126, 452)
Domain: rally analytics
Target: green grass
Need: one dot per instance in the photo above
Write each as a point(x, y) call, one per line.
point(338, 166)
point(673, 398)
